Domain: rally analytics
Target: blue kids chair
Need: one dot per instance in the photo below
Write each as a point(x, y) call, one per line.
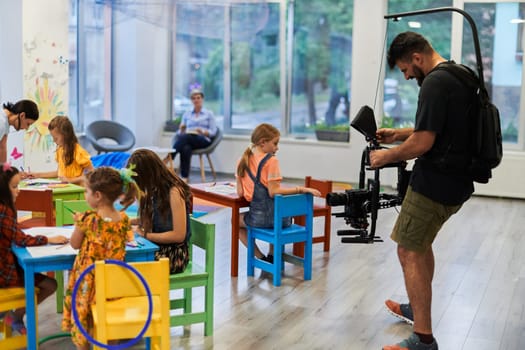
point(285, 206)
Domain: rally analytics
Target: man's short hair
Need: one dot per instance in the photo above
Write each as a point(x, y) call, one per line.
point(404, 45)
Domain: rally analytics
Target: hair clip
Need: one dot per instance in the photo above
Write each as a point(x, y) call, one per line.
point(127, 173)
point(6, 166)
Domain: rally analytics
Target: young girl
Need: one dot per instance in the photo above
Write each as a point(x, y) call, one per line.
point(259, 179)
point(98, 234)
point(11, 275)
point(73, 160)
point(164, 208)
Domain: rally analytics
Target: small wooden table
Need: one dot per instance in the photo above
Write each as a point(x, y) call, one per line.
point(229, 200)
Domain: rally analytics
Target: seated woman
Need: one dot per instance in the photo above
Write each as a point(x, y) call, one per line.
point(196, 130)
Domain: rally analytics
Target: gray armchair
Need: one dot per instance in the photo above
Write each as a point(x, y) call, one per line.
point(207, 151)
point(110, 136)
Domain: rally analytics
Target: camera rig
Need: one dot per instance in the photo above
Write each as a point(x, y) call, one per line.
point(364, 202)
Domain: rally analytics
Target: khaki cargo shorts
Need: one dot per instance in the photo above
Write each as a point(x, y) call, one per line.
point(419, 221)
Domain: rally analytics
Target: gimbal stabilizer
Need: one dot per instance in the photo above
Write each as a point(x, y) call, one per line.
point(365, 201)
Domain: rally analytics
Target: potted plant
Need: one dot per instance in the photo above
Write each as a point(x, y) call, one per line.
point(337, 133)
point(172, 124)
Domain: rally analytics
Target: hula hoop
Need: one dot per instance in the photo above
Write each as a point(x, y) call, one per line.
point(83, 330)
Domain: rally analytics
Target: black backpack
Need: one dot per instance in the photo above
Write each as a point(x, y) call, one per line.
point(487, 149)
point(486, 140)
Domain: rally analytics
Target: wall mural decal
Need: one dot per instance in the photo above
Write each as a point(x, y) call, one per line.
point(46, 78)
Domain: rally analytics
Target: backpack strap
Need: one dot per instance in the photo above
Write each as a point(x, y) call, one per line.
point(462, 73)
point(467, 78)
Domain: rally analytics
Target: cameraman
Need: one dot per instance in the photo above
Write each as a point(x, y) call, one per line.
point(438, 187)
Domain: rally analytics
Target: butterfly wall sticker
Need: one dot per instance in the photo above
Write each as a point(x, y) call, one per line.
point(15, 154)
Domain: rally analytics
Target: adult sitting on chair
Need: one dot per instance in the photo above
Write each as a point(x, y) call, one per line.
point(196, 130)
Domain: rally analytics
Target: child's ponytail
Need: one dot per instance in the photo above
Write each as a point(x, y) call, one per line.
point(244, 162)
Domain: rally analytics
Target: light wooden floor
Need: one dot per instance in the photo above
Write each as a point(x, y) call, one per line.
point(479, 291)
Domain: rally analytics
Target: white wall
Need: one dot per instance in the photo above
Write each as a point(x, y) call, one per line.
point(11, 83)
point(141, 98)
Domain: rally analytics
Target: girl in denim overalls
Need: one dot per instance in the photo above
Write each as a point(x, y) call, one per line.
point(259, 179)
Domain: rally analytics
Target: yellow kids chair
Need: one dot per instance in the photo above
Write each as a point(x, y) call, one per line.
point(10, 299)
point(121, 302)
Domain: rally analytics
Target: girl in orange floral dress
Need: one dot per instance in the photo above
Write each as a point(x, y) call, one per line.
point(99, 234)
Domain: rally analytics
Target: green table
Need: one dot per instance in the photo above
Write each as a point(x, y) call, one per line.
point(65, 191)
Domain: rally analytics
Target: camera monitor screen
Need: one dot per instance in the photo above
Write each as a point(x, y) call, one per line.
point(365, 122)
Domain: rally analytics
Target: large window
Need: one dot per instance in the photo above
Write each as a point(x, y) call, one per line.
point(285, 63)
point(238, 53)
point(89, 62)
point(500, 30)
point(255, 71)
point(501, 42)
point(321, 66)
point(231, 52)
point(198, 56)
point(289, 63)
point(400, 95)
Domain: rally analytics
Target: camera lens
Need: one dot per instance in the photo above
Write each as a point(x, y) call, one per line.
point(334, 199)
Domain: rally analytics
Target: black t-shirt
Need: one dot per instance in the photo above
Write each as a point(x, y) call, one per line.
point(441, 174)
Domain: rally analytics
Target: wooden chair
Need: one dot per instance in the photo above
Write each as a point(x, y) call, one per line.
point(37, 200)
point(121, 303)
point(285, 206)
point(325, 187)
point(196, 274)
point(10, 299)
point(64, 216)
point(40, 201)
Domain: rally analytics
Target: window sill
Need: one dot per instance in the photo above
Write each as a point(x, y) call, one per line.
point(293, 140)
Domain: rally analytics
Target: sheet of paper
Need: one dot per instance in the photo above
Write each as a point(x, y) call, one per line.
point(41, 181)
point(49, 231)
point(224, 188)
point(50, 250)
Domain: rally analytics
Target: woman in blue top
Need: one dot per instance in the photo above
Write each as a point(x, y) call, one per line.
point(164, 207)
point(196, 130)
